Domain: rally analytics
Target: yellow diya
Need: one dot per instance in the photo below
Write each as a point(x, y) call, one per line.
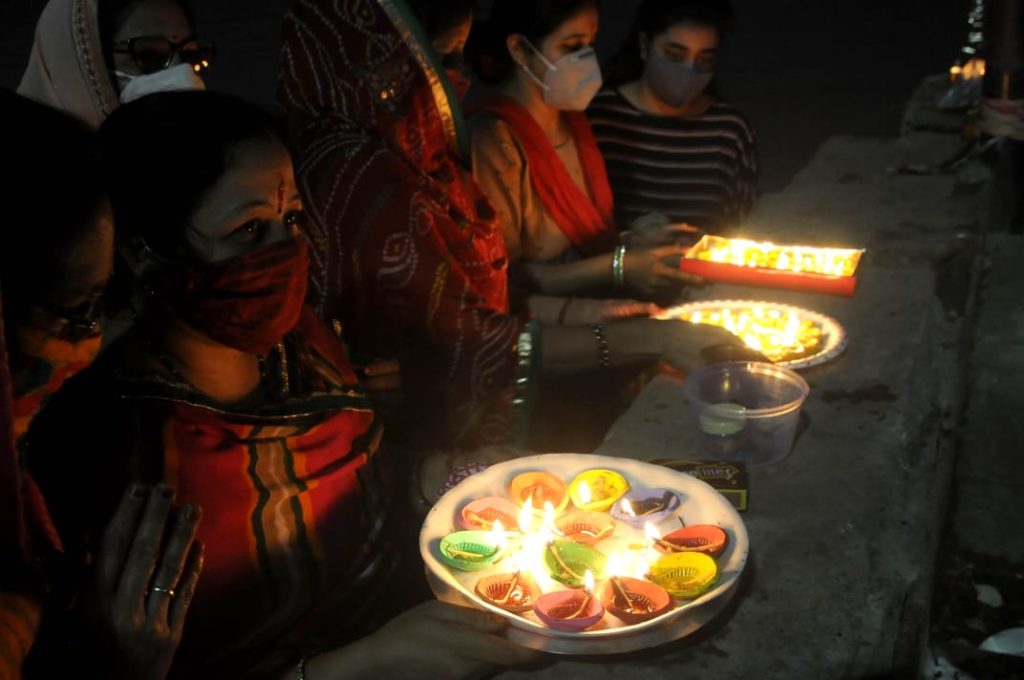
point(597, 490)
point(685, 576)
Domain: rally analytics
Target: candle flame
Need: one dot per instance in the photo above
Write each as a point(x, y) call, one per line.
point(764, 255)
point(497, 534)
point(652, 533)
point(779, 335)
point(627, 508)
point(588, 580)
point(526, 515)
point(549, 515)
point(585, 495)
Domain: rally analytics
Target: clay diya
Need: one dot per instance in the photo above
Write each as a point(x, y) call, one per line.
point(540, 488)
point(645, 505)
point(568, 562)
point(471, 550)
point(685, 576)
point(597, 490)
point(632, 600)
point(702, 538)
point(588, 528)
point(569, 610)
point(516, 592)
point(483, 512)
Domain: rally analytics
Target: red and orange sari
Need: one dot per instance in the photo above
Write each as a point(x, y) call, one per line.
point(406, 251)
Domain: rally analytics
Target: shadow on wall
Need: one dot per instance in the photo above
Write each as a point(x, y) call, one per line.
point(802, 70)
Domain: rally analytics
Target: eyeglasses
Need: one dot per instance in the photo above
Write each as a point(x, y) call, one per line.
point(72, 324)
point(152, 53)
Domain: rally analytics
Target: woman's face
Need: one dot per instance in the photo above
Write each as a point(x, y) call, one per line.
point(572, 35)
point(254, 204)
point(692, 43)
point(150, 19)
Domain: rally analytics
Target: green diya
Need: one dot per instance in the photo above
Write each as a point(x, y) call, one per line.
point(471, 550)
point(568, 562)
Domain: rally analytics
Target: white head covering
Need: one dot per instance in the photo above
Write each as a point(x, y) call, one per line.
point(66, 68)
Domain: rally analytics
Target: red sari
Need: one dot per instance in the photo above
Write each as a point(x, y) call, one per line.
point(406, 252)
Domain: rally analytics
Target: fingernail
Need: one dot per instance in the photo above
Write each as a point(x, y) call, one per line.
point(138, 491)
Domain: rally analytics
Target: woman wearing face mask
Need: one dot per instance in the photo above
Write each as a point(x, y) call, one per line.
point(234, 393)
point(90, 56)
point(670, 144)
point(53, 271)
point(535, 157)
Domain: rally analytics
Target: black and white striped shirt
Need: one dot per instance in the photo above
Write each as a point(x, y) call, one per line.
point(699, 170)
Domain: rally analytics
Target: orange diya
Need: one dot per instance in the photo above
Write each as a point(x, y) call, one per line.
point(484, 512)
point(700, 538)
point(632, 600)
point(516, 592)
point(539, 488)
point(588, 528)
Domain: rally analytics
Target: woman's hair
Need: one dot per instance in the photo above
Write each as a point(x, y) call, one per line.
point(112, 15)
point(55, 191)
point(163, 153)
point(440, 16)
point(535, 19)
point(653, 18)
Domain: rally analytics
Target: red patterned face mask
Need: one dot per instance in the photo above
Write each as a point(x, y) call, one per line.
point(248, 302)
point(41, 366)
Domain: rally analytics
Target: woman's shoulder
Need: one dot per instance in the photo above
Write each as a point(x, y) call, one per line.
point(727, 112)
point(494, 142)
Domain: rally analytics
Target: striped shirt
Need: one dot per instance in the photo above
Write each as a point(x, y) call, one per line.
point(698, 170)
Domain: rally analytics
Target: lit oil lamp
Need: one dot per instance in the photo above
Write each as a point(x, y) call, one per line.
point(568, 562)
point(685, 576)
point(570, 610)
point(473, 550)
point(645, 505)
point(597, 490)
point(482, 513)
point(588, 528)
point(516, 592)
point(539, 488)
point(702, 538)
point(631, 600)
point(780, 335)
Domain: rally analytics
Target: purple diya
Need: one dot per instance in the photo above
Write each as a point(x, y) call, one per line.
point(516, 592)
point(699, 538)
point(483, 512)
point(647, 505)
point(569, 610)
point(587, 528)
point(632, 600)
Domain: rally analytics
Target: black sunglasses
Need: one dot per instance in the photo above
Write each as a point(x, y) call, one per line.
point(152, 53)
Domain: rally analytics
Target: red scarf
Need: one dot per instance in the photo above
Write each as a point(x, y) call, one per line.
point(585, 220)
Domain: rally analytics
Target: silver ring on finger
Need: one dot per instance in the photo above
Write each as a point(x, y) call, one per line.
point(169, 592)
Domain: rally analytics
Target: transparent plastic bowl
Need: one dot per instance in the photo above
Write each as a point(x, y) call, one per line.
point(745, 411)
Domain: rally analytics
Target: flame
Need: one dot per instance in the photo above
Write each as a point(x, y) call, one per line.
point(778, 335)
point(526, 515)
point(627, 508)
point(585, 496)
point(973, 68)
point(764, 255)
point(652, 533)
point(497, 534)
point(588, 581)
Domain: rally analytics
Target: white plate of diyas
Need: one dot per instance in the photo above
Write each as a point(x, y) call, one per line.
point(586, 554)
point(790, 336)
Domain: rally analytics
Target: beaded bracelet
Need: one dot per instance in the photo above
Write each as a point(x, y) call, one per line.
point(604, 352)
point(618, 274)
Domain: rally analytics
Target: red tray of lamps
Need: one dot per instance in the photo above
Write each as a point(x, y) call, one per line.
point(755, 263)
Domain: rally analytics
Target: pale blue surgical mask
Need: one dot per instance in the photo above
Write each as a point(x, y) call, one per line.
point(180, 77)
point(675, 82)
point(571, 82)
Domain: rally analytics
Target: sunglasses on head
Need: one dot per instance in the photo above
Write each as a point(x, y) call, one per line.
point(152, 53)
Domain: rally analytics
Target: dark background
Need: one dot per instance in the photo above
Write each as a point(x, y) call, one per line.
point(803, 70)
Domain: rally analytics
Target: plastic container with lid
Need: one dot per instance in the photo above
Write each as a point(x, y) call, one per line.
point(745, 411)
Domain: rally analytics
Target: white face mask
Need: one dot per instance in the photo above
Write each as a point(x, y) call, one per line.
point(571, 82)
point(180, 77)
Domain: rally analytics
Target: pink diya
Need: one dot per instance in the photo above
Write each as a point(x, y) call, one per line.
point(483, 512)
point(516, 592)
point(645, 505)
point(699, 538)
point(587, 528)
point(632, 600)
point(541, 487)
point(569, 610)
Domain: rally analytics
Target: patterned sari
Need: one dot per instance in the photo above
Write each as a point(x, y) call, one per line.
point(406, 251)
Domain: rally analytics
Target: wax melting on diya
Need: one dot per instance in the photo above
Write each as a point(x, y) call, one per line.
point(570, 610)
point(685, 576)
point(482, 513)
point(539, 488)
point(702, 538)
point(597, 490)
point(632, 600)
point(645, 505)
point(473, 550)
point(568, 562)
point(516, 592)
point(588, 528)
